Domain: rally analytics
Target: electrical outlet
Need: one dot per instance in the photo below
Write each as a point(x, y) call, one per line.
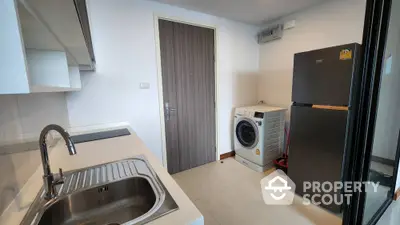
point(144, 85)
point(289, 24)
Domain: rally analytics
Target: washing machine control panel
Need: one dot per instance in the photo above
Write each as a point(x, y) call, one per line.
point(258, 115)
point(250, 114)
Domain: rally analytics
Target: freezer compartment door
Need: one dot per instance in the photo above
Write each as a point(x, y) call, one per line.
point(323, 77)
point(317, 142)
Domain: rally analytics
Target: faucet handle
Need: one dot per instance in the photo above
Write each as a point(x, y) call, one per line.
point(61, 173)
point(59, 179)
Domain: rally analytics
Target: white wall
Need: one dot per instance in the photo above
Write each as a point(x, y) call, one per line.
point(124, 44)
point(329, 24)
point(22, 117)
point(13, 74)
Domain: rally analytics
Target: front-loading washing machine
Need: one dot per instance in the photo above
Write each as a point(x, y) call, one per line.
point(259, 135)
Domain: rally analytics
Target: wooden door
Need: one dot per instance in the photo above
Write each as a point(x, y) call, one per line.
point(187, 60)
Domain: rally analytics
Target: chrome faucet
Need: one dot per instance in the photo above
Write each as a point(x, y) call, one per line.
point(49, 179)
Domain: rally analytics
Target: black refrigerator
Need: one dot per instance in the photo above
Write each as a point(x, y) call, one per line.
point(325, 84)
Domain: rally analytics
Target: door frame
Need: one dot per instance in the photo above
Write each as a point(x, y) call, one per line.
point(157, 17)
point(376, 24)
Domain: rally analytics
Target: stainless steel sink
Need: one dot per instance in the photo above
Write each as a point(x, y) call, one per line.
point(122, 192)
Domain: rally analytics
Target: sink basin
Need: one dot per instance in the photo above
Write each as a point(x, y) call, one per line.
point(118, 202)
point(122, 192)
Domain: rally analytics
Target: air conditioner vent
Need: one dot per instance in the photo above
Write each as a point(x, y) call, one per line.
point(271, 33)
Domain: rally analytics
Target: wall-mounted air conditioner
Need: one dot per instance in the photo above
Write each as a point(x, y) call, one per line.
point(271, 33)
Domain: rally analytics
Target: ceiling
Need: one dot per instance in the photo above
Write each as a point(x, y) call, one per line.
point(255, 12)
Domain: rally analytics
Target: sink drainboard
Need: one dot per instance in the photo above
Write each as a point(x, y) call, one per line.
point(82, 183)
point(102, 174)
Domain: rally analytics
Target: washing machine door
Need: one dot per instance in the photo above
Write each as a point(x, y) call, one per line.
point(246, 132)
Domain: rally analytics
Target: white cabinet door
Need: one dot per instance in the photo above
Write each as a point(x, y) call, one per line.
point(32, 58)
point(13, 74)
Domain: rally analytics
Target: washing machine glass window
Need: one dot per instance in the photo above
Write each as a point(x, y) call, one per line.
point(246, 133)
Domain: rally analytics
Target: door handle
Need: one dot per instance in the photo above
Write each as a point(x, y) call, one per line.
point(168, 111)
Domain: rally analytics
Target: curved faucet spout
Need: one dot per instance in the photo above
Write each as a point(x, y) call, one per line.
point(48, 177)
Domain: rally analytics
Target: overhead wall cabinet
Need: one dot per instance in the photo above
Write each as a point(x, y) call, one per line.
point(44, 44)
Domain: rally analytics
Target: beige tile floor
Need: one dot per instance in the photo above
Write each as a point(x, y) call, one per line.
point(380, 167)
point(229, 193)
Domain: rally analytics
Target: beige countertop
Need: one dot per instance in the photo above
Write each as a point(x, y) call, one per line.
point(99, 152)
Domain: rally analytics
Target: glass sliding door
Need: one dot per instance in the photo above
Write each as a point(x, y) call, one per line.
point(374, 151)
point(382, 163)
